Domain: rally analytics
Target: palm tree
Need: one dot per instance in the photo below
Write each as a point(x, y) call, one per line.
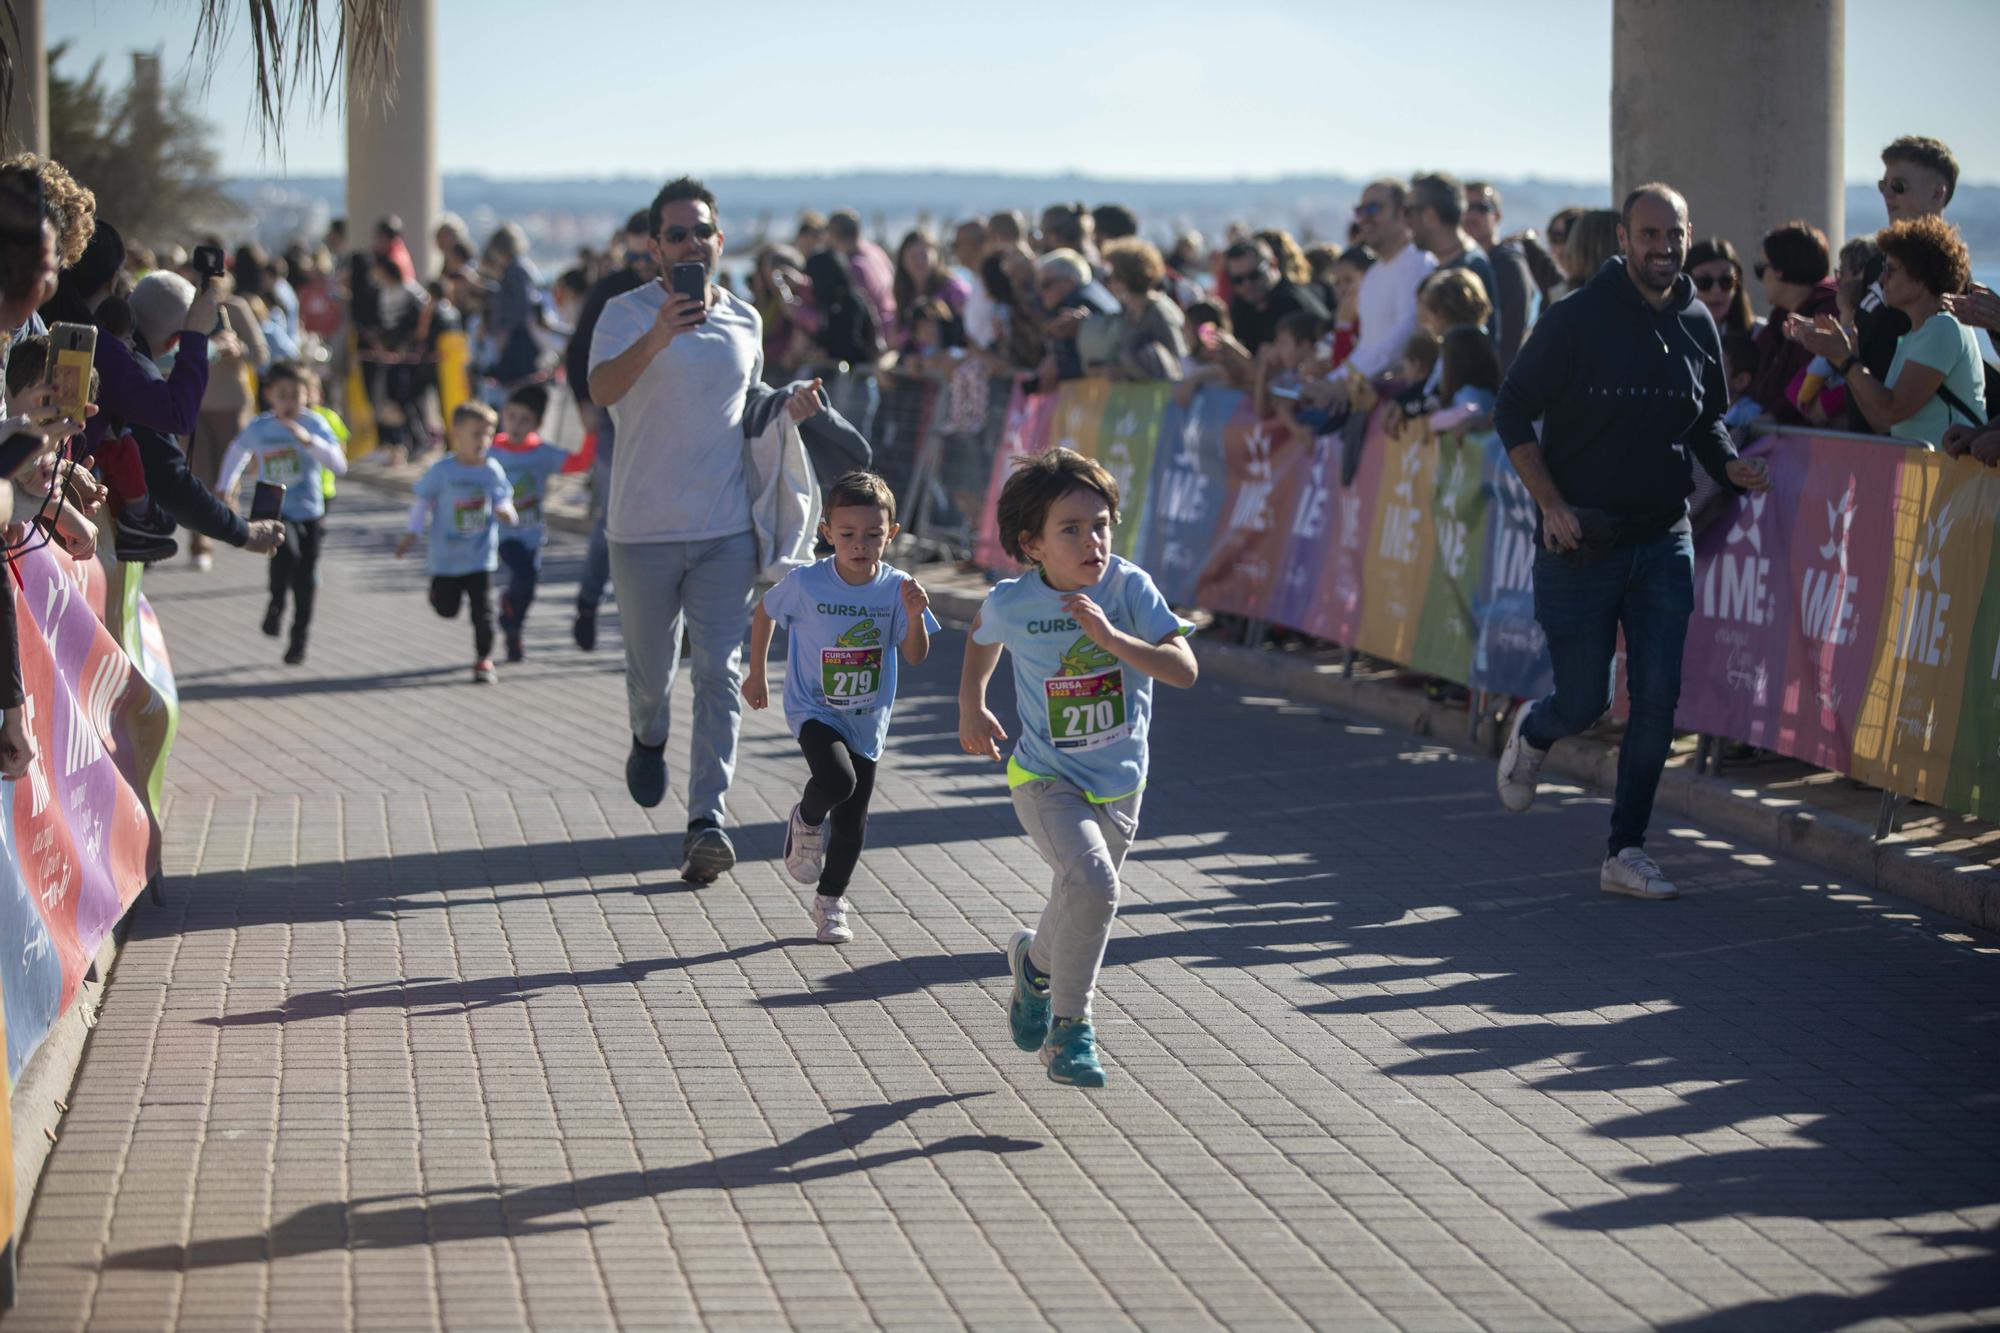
point(299, 47)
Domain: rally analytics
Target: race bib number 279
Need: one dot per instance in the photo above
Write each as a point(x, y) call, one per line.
point(850, 677)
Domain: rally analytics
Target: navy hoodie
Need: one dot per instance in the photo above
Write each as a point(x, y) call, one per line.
point(1622, 392)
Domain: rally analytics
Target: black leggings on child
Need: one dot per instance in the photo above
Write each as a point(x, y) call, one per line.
point(446, 592)
point(842, 783)
point(295, 570)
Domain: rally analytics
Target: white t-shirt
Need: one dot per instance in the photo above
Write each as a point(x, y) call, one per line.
point(677, 474)
point(1388, 309)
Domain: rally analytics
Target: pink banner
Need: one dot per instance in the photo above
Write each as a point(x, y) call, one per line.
point(1026, 433)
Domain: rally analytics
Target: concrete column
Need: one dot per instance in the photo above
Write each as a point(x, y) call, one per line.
point(392, 164)
point(1738, 106)
point(28, 111)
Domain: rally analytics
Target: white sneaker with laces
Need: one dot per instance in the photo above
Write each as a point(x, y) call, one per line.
point(1636, 875)
point(830, 919)
point(805, 848)
point(1520, 765)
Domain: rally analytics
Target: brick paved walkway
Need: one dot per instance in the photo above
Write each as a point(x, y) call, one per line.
point(429, 1033)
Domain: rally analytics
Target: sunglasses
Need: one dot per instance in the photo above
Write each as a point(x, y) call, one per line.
point(1893, 185)
point(1368, 210)
point(1251, 275)
point(1477, 206)
point(1708, 281)
point(675, 235)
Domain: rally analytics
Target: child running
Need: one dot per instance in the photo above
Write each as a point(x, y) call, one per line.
point(293, 447)
point(840, 682)
point(463, 499)
point(528, 463)
point(1077, 624)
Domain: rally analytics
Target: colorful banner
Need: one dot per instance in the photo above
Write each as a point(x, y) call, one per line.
point(1132, 416)
point(79, 837)
point(1850, 617)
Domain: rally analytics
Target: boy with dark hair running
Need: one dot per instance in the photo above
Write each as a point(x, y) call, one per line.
point(845, 615)
point(529, 462)
point(463, 499)
point(1089, 634)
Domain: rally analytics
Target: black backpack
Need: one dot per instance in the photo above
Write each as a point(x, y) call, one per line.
point(849, 330)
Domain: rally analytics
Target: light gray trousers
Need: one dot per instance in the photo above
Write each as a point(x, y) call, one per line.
point(710, 584)
point(1085, 844)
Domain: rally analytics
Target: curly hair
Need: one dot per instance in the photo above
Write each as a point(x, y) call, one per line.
point(1930, 250)
point(72, 207)
point(1135, 264)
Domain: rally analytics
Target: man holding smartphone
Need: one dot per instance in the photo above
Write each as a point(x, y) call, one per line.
point(673, 361)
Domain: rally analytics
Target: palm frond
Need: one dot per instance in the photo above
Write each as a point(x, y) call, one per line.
point(300, 48)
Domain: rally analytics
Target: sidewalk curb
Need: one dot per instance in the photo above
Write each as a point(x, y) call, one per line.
point(1940, 881)
point(38, 1100)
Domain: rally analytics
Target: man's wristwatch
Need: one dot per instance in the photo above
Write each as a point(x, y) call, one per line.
point(1848, 365)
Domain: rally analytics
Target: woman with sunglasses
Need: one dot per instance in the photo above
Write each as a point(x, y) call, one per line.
point(1718, 283)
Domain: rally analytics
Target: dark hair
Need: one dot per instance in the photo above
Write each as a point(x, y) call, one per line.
point(247, 268)
point(636, 224)
point(1207, 312)
point(1925, 152)
point(27, 362)
point(1303, 326)
point(1037, 484)
point(1714, 249)
point(684, 190)
point(1399, 193)
point(844, 225)
point(1357, 256)
point(1114, 221)
point(281, 372)
point(1440, 192)
point(1659, 190)
point(1482, 187)
point(23, 210)
point(1252, 248)
point(575, 279)
point(534, 397)
point(1798, 251)
point(1930, 250)
point(474, 410)
point(1469, 362)
point(860, 489)
point(1739, 353)
point(1063, 223)
point(993, 275)
point(902, 285)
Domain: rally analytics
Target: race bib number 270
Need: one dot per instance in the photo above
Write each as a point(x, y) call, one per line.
point(1087, 711)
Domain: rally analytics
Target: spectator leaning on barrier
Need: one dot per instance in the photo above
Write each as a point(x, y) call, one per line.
point(1513, 289)
point(1436, 210)
point(1919, 178)
point(1796, 271)
point(1936, 378)
point(1388, 297)
point(1345, 279)
point(1155, 341)
point(1610, 474)
point(1262, 293)
point(968, 252)
point(1072, 299)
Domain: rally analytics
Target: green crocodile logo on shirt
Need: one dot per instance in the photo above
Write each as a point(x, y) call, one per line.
point(1083, 657)
point(861, 634)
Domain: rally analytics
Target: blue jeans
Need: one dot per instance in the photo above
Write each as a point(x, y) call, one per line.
point(709, 583)
point(523, 564)
point(1648, 588)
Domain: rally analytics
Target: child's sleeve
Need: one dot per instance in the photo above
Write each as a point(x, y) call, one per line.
point(1152, 619)
point(931, 625)
point(781, 602)
point(995, 623)
point(420, 517)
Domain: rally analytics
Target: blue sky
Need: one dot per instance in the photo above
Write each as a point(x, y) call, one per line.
point(604, 87)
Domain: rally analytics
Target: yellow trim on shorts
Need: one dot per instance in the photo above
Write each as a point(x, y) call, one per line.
point(1018, 776)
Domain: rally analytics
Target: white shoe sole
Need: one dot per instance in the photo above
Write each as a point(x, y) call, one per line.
point(1632, 891)
point(1515, 741)
point(799, 868)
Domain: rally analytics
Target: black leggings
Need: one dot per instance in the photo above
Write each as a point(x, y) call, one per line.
point(842, 783)
point(446, 592)
point(295, 569)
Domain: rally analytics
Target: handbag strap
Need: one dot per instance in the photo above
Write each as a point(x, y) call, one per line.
point(1957, 404)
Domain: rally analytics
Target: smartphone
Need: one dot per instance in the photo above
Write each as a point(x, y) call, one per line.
point(268, 502)
point(207, 260)
point(72, 349)
point(690, 279)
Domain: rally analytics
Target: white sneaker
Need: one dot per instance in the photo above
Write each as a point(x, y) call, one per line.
point(805, 848)
point(1636, 875)
point(203, 562)
point(1520, 765)
point(830, 919)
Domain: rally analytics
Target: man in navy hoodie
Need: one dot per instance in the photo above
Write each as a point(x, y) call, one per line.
point(1625, 378)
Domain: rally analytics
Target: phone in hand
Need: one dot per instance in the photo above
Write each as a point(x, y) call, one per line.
point(691, 280)
point(268, 502)
point(208, 261)
point(72, 350)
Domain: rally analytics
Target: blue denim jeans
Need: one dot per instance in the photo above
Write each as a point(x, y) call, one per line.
point(1647, 588)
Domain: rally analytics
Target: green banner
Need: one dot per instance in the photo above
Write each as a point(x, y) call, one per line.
point(1449, 631)
point(1125, 443)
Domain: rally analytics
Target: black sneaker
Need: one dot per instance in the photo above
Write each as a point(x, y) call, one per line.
point(296, 653)
point(515, 652)
point(145, 541)
point(584, 628)
point(706, 852)
point(273, 620)
point(646, 773)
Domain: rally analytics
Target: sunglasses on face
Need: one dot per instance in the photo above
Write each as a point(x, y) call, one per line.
point(1368, 210)
point(677, 235)
point(1558, 238)
point(1893, 185)
point(1249, 275)
point(1478, 206)
point(1708, 281)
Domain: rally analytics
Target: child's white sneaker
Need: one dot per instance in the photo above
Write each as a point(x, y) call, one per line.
point(830, 919)
point(805, 848)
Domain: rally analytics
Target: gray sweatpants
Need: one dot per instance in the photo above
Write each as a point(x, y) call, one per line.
point(710, 584)
point(1084, 844)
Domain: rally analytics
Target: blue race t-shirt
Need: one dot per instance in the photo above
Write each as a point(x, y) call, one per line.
point(277, 456)
point(840, 666)
point(1084, 714)
point(464, 529)
point(528, 471)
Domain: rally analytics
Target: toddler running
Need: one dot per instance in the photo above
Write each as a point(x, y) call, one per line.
point(463, 499)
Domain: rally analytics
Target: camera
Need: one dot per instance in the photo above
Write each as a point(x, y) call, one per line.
point(207, 261)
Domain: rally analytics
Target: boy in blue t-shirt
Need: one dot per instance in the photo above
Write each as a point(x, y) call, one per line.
point(846, 615)
point(1089, 634)
point(528, 463)
point(294, 448)
point(463, 499)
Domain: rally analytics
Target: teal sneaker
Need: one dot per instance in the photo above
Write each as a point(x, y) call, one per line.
point(1028, 1015)
point(1071, 1054)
